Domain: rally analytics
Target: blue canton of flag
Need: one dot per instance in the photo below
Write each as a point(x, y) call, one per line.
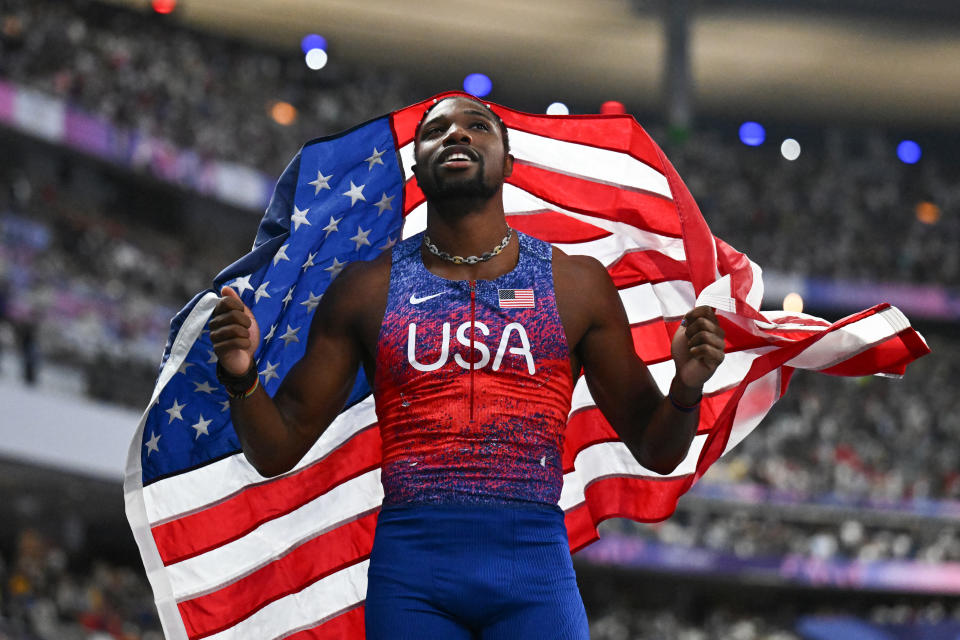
point(336, 202)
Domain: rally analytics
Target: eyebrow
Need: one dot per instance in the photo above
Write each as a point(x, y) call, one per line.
point(472, 112)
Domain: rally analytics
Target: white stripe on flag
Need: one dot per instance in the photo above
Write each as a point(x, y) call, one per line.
point(189, 492)
point(571, 158)
point(847, 341)
point(323, 599)
point(645, 302)
point(275, 538)
point(606, 459)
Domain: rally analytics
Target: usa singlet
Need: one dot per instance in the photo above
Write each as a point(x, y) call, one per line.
point(472, 384)
point(472, 389)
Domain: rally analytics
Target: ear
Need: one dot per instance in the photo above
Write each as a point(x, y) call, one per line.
point(508, 165)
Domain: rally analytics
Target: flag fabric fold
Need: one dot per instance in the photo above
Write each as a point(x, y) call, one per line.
point(230, 554)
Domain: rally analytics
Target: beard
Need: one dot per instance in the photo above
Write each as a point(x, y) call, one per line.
point(446, 188)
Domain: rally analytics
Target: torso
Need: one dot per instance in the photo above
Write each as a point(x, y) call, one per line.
point(472, 425)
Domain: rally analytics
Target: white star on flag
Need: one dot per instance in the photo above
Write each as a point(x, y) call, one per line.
point(374, 159)
point(287, 298)
point(183, 367)
point(384, 204)
point(389, 243)
point(320, 182)
point(270, 372)
point(281, 254)
point(335, 268)
point(330, 228)
point(174, 411)
point(312, 302)
point(290, 335)
point(213, 356)
point(151, 444)
point(224, 405)
point(308, 263)
point(361, 238)
point(355, 193)
point(269, 336)
point(203, 386)
point(201, 427)
point(299, 217)
point(241, 284)
point(261, 292)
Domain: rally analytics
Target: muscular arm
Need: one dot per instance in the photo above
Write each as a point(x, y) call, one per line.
point(275, 433)
point(656, 432)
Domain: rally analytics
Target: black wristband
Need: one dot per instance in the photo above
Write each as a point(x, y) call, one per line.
point(237, 386)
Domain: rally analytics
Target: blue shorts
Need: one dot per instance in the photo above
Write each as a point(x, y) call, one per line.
point(454, 572)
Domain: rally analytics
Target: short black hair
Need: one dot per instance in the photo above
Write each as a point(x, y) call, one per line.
point(484, 106)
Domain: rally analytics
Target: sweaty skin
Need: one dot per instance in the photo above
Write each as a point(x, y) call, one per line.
point(461, 161)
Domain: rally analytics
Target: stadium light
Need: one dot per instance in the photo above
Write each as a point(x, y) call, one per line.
point(477, 84)
point(793, 302)
point(316, 59)
point(752, 134)
point(312, 41)
point(909, 152)
point(163, 6)
point(612, 106)
point(558, 109)
point(790, 149)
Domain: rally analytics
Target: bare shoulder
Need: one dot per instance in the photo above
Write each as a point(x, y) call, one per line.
point(577, 270)
point(360, 288)
point(584, 293)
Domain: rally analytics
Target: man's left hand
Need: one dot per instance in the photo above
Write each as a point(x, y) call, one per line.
point(697, 347)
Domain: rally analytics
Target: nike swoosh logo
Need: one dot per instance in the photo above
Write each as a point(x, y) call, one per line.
point(415, 300)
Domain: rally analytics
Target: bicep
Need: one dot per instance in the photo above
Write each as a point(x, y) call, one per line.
point(318, 385)
point(618, 379)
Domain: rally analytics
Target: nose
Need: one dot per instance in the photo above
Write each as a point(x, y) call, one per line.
point(456, 135)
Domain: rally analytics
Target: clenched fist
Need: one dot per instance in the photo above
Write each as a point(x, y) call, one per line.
point(234, 332)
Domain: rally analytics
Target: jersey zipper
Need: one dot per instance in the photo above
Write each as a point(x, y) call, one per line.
point(473, 308)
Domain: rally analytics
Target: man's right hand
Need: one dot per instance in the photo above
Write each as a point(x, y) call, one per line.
point(234, 332)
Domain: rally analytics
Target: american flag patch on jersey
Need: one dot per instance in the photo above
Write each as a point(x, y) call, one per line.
point(515, 298)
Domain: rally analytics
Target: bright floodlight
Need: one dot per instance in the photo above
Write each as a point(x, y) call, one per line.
point(164, 6)
point(790, 149)
point(313, 41)
point(752, 134)
point(558, 109)
point(793, 302)
point(909, 152)
point(316, 59)
point(477, 84)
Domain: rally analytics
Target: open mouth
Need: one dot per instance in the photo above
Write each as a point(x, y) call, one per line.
point(456, 159)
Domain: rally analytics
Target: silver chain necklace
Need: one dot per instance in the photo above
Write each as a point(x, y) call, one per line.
point(443, 255)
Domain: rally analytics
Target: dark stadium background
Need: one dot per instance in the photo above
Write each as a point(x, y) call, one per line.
point(836, 518)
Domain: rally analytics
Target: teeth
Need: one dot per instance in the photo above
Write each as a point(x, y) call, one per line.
point(457, 156)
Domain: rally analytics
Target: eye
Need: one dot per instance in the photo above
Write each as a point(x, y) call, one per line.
point(479, 124)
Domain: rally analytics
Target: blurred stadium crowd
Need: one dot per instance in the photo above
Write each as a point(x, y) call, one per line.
point(82, 288)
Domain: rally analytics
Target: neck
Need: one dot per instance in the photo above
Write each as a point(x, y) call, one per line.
point(469, 233)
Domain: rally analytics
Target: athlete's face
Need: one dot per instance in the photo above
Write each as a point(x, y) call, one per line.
point(460, 152)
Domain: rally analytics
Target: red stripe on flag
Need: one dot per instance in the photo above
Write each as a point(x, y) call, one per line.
point(644, 211)
point(653, 339)
point(346, 625)
point(890, 356)
point(553, 226)
point(412, 196)
point(313, 560)
point(639, 267)
point(236, 516)
point(640, 499)
point(614, 132)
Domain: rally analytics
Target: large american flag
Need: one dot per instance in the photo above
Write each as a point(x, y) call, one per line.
point(232, 555)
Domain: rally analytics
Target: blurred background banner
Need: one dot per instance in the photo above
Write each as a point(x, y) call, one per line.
point(817, 137)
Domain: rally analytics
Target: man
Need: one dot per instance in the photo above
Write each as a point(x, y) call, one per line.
point(471, 336)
